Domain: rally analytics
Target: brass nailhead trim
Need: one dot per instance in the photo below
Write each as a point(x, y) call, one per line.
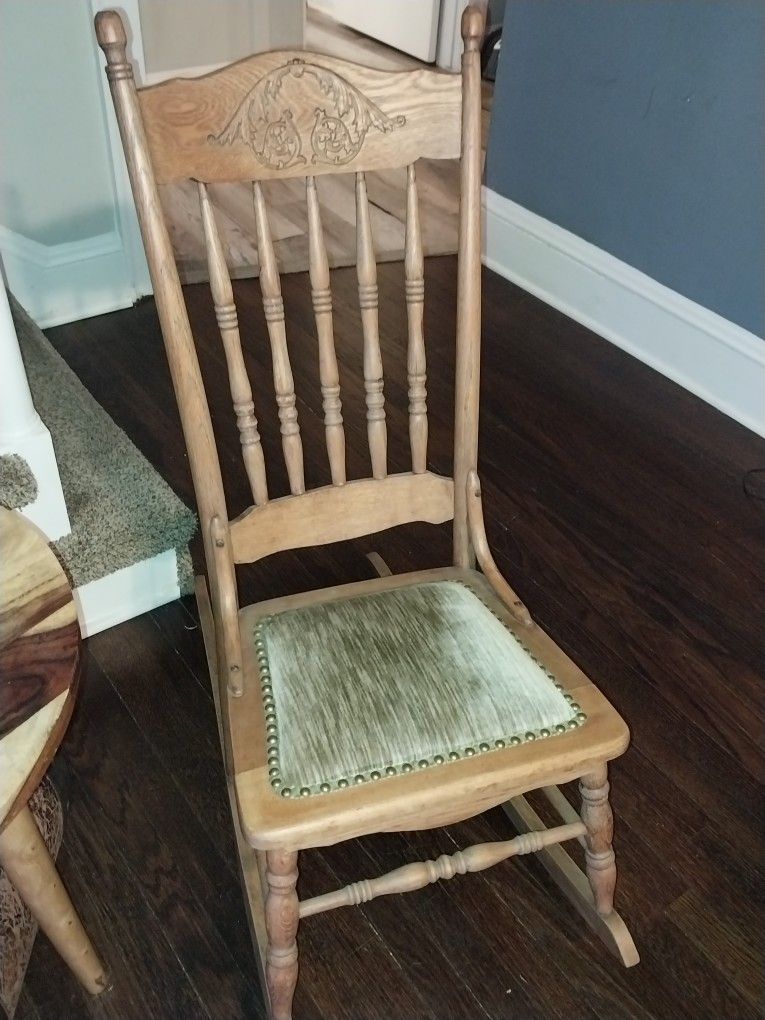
point(484, 747)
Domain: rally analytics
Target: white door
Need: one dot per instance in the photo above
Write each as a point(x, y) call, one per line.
point(411, 27)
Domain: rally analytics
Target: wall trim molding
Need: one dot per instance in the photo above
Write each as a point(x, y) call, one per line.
point(127, 593)
point(700, 350)
point(48, 256)
point(73, 280)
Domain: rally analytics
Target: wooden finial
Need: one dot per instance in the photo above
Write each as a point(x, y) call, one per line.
point(112, 38)
point(473, 21)
point(109, 30)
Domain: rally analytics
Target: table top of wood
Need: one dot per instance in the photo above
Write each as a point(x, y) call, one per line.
point(39, 658)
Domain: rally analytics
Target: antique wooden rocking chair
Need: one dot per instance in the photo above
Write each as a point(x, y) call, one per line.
point(404, 702)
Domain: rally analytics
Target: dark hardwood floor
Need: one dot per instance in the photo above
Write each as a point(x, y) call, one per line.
point(616, 507)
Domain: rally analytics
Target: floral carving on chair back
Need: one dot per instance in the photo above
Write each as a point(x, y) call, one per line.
point(302, 112)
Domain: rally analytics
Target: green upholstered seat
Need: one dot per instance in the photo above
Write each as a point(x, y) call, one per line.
point(369, 686)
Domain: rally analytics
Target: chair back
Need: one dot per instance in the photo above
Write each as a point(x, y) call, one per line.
point(282, 115)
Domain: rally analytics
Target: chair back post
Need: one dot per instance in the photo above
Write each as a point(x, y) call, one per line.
point(171, 308)
point(468, 360)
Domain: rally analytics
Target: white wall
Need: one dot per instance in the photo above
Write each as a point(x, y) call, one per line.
point(56, 175)
point(184, 35)
point(68, 232)
point(179, 34)
point(66, 227)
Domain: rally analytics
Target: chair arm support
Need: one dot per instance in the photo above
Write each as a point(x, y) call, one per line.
point(483, 553)
point(223, 597)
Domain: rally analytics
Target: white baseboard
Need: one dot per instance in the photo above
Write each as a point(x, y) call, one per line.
point(712, 357)
point(127, 593)
point(73, 280)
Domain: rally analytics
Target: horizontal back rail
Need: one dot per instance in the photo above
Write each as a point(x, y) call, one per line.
point(335, 513)
point(292, 113)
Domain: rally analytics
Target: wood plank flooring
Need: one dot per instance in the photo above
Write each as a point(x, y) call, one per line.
point(616, 508)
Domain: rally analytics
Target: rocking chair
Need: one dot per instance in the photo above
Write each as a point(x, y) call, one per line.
point(402, 702)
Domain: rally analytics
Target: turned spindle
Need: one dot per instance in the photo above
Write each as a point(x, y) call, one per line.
point(600, 860)
point(239, 383)
point(416, 876)
point(366, 270)
point(321, 297)
point(273, 307)
point(414, 283)
point(282, 919)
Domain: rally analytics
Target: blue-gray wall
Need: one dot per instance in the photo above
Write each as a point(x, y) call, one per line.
point(639, 126)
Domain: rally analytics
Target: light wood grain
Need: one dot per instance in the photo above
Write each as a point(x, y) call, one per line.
point(284, 384)
point(414, 277)
point(173, 316)
point(261, 118)
point(415, 876)
point(468, 368)
point(373, 370)
point(39, 674)
point(241, 391)
point(281, 926)
point(428, 797)
point(39, 659)
point(438, 186)
point(557, 800)
point(26, 750)
point(573, 883)
point(480, 545)
point(321, 296)
point(34, 584)
point(381, 567)
point(599, 856)
point(225, 605)
point(28, 865)
point(251, 874)
point(332, 513)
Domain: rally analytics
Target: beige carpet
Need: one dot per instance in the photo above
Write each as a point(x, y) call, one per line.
point(121, 510)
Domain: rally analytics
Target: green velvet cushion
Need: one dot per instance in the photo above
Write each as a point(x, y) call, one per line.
point(370, 686)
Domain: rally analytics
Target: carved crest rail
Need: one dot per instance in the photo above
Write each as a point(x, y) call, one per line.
point(285, 114)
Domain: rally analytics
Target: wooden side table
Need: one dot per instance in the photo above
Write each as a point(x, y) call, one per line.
point(39, 672)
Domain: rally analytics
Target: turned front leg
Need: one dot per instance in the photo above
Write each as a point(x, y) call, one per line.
point(281, 926)
point(598, 818)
